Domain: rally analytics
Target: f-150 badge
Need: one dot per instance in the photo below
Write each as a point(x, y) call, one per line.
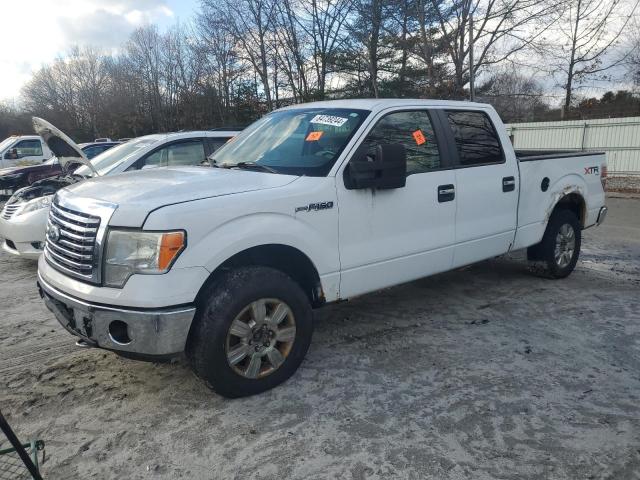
point(315, 207)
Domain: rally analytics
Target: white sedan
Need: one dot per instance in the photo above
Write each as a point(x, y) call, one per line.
point(23, 219)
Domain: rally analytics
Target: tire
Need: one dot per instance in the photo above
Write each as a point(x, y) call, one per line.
point(563, 226)
point(236, 298)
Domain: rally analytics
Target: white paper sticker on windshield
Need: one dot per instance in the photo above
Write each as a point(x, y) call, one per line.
point(329, 120)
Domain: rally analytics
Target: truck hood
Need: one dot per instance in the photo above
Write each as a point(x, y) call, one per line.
point(138, 193)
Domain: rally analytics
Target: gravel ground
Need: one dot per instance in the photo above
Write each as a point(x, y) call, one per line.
point(629, 184)
point(483, 373)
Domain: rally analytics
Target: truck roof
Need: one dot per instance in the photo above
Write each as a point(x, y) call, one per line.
point(25, 137)
point(382, 103)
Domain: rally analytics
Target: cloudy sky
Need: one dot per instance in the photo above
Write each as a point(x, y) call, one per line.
point(36, 31)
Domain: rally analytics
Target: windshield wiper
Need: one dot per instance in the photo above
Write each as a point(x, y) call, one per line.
point(249, 166)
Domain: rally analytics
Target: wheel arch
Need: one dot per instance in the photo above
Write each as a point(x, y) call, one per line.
point(285, 258)
point(572, 200)
point(568, 192)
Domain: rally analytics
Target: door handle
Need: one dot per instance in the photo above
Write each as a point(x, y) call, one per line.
point(508, 184)
point(446, 193)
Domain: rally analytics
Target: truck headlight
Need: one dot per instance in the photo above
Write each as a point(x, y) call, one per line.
point(35, 204)
point(134, 251)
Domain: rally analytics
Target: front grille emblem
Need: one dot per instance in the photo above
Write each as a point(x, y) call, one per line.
point(54, 234)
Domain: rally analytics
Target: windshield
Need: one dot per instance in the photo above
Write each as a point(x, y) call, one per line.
point(110, 159)
point(298, 142)
point(6, 142)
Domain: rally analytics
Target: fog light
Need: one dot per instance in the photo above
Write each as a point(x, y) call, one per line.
point(119, 332)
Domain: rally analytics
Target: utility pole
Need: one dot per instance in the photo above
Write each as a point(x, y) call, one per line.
point(472, 93)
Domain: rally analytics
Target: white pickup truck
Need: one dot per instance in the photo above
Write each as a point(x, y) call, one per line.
point(310, 205)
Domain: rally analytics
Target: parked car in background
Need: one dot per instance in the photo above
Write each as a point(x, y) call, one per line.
point(311, 204)
point(96, 148)
point(23, 150)
point(23, 219)
point(14, 178)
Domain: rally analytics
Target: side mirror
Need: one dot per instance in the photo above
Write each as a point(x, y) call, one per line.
point(12, 154)
point(387, 170)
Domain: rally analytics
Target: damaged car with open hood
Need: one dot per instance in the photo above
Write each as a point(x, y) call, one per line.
point(23, 220)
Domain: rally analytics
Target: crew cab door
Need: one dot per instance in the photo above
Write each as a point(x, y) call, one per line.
point(390, 236)
point(487, 186)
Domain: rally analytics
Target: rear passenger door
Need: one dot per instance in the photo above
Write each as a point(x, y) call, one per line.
point(486, 187)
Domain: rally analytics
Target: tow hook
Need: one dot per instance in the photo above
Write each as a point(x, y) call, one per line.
point(84, 344)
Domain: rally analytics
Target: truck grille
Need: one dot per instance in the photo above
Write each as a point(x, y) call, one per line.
point(9, 210)
point(71, 241)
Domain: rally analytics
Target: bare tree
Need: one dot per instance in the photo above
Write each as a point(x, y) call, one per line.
point(323, 21)
point(586, 34)
point(516, 97)
point(291, 51)
point(633, 53)
point(367, 35)
point(501, 29)
point(251, 24)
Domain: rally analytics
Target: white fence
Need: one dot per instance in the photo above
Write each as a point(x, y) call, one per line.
point(618, 137)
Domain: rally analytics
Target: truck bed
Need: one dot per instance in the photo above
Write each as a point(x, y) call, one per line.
point(544, 181)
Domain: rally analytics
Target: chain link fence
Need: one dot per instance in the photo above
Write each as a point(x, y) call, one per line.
point(18, 461)
point(11, 465)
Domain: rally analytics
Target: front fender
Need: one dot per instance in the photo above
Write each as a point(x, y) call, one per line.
point(257, 229)
point(220, 228)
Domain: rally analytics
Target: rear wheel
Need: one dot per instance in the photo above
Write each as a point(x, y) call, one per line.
point(251, 333)
point(557, 254)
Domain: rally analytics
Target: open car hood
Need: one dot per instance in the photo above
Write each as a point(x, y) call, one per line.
point(62, 146)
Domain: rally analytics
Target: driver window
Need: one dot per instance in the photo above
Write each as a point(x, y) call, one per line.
point(29, 148)
point(414, 130)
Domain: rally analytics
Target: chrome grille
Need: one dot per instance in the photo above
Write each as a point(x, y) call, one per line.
point(9, 210)
point(71, 241)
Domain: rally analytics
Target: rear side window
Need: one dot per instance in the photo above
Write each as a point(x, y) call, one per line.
point(476, 139)
point(91, 152)
point(414, 130)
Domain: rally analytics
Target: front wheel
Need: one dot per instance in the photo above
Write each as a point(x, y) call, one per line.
point(557, 254)
point(252, 331)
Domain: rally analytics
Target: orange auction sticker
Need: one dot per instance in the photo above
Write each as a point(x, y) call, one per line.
point(314, 136)
point(418, 136)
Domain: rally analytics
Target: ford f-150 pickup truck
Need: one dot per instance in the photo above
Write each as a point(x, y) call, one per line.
point(311, 204)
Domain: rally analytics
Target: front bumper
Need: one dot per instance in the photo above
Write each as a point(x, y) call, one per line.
point(25, 233)
point(147, 332)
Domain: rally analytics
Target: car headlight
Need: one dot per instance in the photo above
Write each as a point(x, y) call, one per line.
point(35, 204)
point(134, 251)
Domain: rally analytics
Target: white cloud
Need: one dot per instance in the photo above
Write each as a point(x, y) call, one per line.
point(34, 32)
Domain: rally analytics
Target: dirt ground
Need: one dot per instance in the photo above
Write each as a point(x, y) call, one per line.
point(483, 373)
